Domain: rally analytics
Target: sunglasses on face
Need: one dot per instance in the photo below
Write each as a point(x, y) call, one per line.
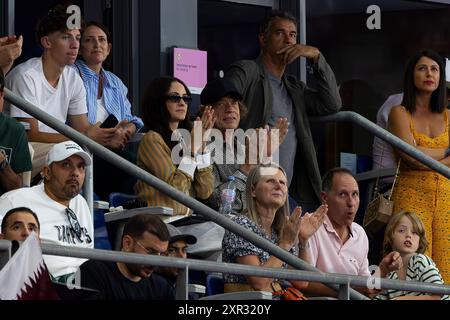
point(73, 220)
point(176, 99)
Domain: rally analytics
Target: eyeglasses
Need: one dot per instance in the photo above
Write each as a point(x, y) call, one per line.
point(148, 251)
point(176, 99)
point(73, 220)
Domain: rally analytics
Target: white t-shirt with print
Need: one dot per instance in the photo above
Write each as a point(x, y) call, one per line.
point(55, 225)
point(28, 81)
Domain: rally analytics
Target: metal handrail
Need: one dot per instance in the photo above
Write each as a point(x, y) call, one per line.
point(350, 116)
point(204, 210)
point(234, 268)
point(241, 269)
point(163, 187)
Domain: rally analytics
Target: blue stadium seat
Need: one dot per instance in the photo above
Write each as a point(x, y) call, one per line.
point(117, 199)
point(214, 284)
point(101, 240)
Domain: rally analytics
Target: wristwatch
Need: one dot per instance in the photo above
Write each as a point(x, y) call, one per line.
point(3, 164)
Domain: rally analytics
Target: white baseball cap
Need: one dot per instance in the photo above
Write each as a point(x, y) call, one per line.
point(64, 150)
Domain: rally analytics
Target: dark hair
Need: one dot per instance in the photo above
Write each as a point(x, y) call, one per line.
point(438, 98)
point(140, 223)
point(154, 110)
point(327, 180)
point(98, 25)
point(101, 27)
point(55, 20)
point(2, 80)
point(15, 210)
point(275, 14)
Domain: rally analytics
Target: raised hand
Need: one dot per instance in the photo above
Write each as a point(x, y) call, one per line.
point(290, 230)
point(294, 51)
point(10, 49)
point(310, 222)
point(277, 133)
point(391, 262)
point(201, 131)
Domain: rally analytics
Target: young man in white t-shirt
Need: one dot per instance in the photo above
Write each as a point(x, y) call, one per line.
point(63, 213)
point(50, 84)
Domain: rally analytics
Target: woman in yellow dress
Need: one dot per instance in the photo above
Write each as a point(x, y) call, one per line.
point(422, 120)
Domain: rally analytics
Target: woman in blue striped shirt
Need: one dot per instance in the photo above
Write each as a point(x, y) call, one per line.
point(105, 92)
point(106, 95)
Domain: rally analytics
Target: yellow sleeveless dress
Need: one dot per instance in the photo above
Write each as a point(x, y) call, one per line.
point(427, 194)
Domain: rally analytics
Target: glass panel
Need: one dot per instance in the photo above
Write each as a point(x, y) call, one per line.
point(369, 63)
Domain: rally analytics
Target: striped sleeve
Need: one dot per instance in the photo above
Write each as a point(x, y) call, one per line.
point(427, 270)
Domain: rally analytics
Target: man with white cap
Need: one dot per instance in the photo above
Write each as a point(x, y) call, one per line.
point(178, 244)
point(63, 213)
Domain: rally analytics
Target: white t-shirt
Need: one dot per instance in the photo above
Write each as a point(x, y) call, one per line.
point(102, 113)
point(28, 81)
point(55, 225)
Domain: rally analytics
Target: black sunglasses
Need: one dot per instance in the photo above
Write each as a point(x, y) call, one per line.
point(176, 99)
point(74, 224)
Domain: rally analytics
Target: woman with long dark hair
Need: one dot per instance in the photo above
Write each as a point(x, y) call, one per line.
point(165, 111)
point(422, 120)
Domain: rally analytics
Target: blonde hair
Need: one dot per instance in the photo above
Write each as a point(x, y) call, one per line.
point(417, 227)
point(252, 179)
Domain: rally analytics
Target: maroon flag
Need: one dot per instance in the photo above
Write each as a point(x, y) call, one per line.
point(25, 276)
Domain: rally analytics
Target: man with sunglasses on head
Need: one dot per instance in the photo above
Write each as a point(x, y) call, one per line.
point(143, 234)
point(63, 213)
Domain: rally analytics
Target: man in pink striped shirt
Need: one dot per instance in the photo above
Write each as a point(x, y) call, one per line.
point(339, 245)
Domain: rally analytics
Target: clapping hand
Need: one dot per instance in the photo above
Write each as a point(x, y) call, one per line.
point(262, 143)
point(290, 230)
point(202, 126)
point(276, 134)
point(310, 222)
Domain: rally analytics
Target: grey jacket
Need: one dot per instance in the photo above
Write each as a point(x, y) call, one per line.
point(249, 77)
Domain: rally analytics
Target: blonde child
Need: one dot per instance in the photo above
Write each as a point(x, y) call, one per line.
point(403, 247)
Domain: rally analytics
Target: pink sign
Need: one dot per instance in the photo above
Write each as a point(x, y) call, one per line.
point(190, 65)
